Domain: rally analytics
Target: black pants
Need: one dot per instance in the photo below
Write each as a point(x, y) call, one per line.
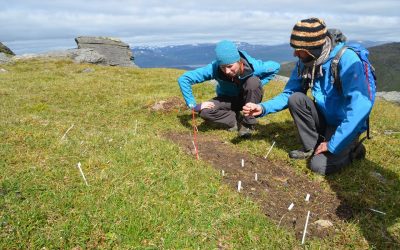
point(227, 107)
point(313, 130)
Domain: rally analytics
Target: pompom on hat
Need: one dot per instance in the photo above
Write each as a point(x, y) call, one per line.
point(309, 35)
point(226, 52)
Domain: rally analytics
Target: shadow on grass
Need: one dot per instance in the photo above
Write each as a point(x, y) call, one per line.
point(203, 126)
point(363, 187)
point(283, 133)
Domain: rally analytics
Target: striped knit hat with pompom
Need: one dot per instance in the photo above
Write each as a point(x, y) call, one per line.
point(309, 35)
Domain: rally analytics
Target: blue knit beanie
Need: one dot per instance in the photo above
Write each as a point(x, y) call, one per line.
point(227, 52)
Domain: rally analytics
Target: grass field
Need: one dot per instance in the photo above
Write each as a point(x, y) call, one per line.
point(144, 192)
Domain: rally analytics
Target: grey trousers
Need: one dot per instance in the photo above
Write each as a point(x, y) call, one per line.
point(313, 130)
point(227, 108)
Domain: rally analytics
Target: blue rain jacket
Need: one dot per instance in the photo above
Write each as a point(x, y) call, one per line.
point(347, 110)
point(264, 70)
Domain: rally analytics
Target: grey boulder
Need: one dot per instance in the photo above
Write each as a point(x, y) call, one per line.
point(114, 51)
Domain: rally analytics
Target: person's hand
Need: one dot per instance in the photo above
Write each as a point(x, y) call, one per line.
point(252, 109)
point(323, 147)
point(207, 105)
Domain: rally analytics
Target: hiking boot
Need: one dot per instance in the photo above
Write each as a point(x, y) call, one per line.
point(300, 154)
point(246, 130)
point(234, 128)
point(358, 152)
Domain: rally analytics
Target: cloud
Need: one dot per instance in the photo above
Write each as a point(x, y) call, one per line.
point(177, 22)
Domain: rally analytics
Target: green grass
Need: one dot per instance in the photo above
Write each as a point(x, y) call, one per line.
point(144, 192)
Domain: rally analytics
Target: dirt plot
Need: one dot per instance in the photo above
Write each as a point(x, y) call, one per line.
point(170, 105)
point(276, 188)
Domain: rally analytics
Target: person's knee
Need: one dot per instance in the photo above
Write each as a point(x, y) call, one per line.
point(296, 99)
point(206, 114)
point(324, 164)
point(252, 83)
point(318, 165)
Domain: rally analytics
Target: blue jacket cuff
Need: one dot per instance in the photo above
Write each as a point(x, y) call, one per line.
point(197, 108)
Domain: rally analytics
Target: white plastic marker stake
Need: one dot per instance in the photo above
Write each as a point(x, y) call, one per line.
point(242, 162)
point(223, 173)
point(136, 127)
point(83, 176)
point(290, 206)
point(269, 151)
point(195, 149)
point(307, 198)
point(65, 134)
point(256, 177)
point(376, 211)
point(305, 228)
point(239, 186)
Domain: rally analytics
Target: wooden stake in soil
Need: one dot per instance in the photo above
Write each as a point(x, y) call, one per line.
point(269, 151)
point(307, 198)
point(305, 228)
point(242, 162)
point(291, 206)
point(223, 173)
point(239, 186)
point(256, 177)
point(83, 176)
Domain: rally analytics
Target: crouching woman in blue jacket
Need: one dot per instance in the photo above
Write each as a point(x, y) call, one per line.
point(329, 126)
point(240, 79)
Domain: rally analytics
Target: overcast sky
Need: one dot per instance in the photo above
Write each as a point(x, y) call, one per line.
point(42, 25)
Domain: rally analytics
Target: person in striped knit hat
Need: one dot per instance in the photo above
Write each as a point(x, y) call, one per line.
point(329, 124)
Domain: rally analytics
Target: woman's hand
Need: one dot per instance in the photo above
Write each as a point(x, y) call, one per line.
point(252, 109)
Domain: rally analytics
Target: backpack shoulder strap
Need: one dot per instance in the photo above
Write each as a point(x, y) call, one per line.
point(338, 83)
point(334, 68)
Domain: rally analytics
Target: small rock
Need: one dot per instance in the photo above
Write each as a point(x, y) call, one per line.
point(158, 106)
point(378, 176)
point(253, 189)
point(323, 224)
point(3, 71)
point(87, 70)
point(280, 178)
point(4, 58)
point(390, 132)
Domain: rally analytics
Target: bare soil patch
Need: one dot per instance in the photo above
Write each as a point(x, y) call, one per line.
point(173, 104)
point(276, 188)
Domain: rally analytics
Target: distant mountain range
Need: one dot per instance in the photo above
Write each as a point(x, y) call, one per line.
point(385, 58)
point(191, 56)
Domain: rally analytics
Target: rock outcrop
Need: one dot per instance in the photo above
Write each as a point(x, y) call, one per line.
point(4, 49)
point(114, 51)
point(390, 96)
point(87, 56)
point(4, 58)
